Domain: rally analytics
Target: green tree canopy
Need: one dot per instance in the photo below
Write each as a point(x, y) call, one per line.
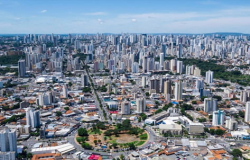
point(82, 132)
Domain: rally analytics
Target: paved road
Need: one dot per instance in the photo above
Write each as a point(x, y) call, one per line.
point(100, 112)
point(151, 138)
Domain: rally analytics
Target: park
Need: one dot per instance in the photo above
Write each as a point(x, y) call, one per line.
point(111, 137)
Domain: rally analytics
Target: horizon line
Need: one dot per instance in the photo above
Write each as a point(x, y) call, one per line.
point(126, 33)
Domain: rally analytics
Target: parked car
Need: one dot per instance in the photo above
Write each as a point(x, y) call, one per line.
point(185, 154)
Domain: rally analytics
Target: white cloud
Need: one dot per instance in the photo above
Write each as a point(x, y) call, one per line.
point(95, 14)
point(224, 20)
point(100, 21)
point(43, 11)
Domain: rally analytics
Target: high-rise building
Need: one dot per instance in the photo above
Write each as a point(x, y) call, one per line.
point(144, 64)
point(173, 64)
point(188, 70)
point(163, 50)
point(155, 84)
point(197, 72)
point(65, 91)
point(161, 61)
point(8, 155)
point(244, 95)
point(167, 87)
point(167, 90)
point(150, 64)
point(178, 90)
point(141, 105)
point(135, 67)
point(8, 140)
point(231, 124)
point(125, 107)
point(166, 65)
point(209, 77)
point(218, 118)
point(247, 112)
point(21, 68)
point(84, 80)
point(179, 67)
point(180, 51)
point(199, 84)
point(41, 99)
point(33, 117)
point(144, 81)
point(210, 105)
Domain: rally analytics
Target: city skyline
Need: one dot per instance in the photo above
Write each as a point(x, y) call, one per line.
point(195, 17)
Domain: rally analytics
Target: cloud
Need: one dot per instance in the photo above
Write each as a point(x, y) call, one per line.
point(43, 11)
point(95, 14)
point(100, 21)
point(224, 20)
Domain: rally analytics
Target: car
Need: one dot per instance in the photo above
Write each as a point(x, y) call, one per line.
point(179, 152)
point(185, 154)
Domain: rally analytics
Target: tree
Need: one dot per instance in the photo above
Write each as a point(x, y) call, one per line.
point(126, 123)
point(86, 146)
point(66, 108)
point(95, 141)
point(203, 97)
point(86, 89)
point(202, 119)
point(219, 132)
point(122, 157)
point(212, 131)
point(70, 84)
point(29, 155)
point(206, 129)
point(114, 145)
point(143, 116)
point(194, 102)
point(158, 111)
point(241, 114)
point(147, 94)
point(111, 93)
point(58, 113)
point(82, 132)
point(210, 116)
point(139, 119)
point(157, 103)
point(132, 146)
point(105, 138)
point(236, 153)
point(217, 97)
point(132, 82)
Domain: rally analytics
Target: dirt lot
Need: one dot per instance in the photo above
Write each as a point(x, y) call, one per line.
point(126, 138)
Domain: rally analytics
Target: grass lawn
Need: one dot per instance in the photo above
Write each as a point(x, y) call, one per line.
point(96, 132)
point(144, 136)
point(112, 141)
point(140, 143)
